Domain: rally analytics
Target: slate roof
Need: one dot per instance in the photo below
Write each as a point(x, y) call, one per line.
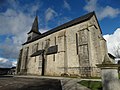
point(39, 52)
point(66, 25)
point(111, 56)
point(51, 50)
point(35, 26)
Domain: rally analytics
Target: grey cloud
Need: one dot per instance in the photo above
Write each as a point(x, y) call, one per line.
point(102, 12)
point(113, 41)
point(5, 63)
point(50, 14)
point(108, 12)
point(15, 23)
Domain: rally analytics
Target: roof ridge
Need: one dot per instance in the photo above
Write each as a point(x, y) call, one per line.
point(65, 25)
point(88, 14)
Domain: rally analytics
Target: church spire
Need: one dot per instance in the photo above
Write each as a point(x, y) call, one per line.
point(35, 26)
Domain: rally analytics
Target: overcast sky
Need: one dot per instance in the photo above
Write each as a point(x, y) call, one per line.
point(16, 18)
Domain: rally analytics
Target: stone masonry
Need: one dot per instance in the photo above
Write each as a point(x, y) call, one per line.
point(73, 48)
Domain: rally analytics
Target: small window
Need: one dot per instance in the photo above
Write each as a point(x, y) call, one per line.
point(55, 40)
point(40, 61)
point(34, 48)
point(35, 59)
point(42, 45)
point(76, 43)
point(54, 57)
point(26, 53)
point(47, 43)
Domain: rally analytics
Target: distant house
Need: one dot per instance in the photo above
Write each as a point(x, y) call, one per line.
point(4, 71)
point(7, 71)
point(12, 71)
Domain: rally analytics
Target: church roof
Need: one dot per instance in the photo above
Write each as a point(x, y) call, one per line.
point(66, 25)
point(50, 50)
point(35, 26)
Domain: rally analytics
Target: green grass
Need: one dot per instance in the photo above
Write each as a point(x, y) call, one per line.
point(91, 77)
point(93, 85)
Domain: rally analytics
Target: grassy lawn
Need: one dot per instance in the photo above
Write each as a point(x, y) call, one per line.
point(91, 77)
point(93, 85)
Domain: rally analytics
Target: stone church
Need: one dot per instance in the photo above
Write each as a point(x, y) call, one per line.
point(73, 48)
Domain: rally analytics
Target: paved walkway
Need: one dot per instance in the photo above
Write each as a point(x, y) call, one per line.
point(66, 83)
point(19, 83)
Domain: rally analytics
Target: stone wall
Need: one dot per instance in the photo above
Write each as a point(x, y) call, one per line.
point(78, 46)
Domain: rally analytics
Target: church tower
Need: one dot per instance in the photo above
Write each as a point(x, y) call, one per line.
point(34, 32)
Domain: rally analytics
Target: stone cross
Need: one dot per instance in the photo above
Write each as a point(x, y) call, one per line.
point(109, 74)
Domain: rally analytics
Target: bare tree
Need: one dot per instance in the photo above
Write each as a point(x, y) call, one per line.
point(116, 51)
